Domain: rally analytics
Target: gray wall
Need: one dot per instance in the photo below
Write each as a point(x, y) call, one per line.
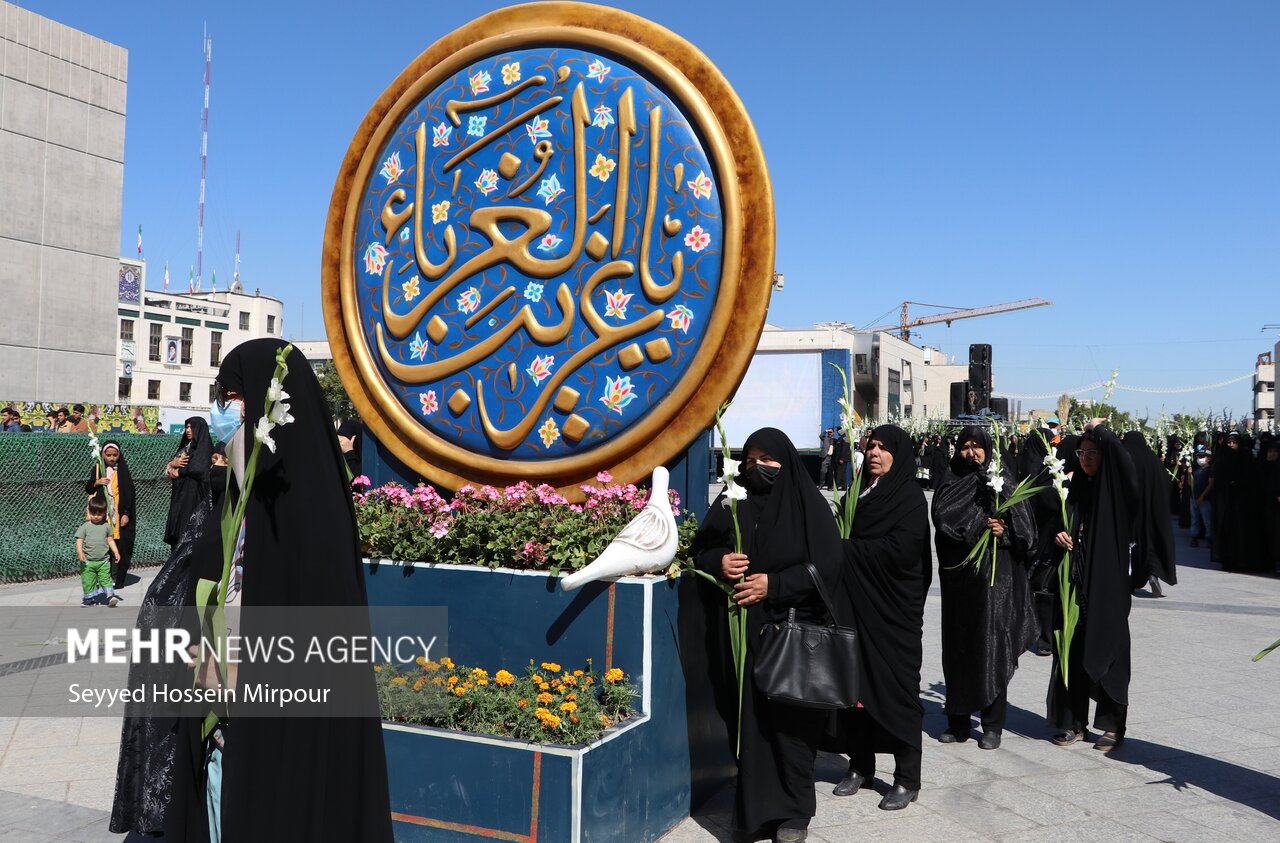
point(62, 112)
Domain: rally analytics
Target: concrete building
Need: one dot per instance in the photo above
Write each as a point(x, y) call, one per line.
point(792, 384)
point(1264, 390)
point(171, 344)
point(62, 120)
point(316, 351)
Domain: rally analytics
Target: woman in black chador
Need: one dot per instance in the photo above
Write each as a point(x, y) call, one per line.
point(144, 771)
point(116, 485)
point(1153, 558)
point(785, 522)
point(189, 471)
point(985, 627)
point(887, 571)
point(1103, 500)
point(287, 778)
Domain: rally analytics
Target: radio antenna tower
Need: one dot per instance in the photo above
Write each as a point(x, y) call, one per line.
point(204, 155)
point(235, 278)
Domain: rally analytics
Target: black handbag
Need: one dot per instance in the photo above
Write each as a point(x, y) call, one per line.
point(807, 664)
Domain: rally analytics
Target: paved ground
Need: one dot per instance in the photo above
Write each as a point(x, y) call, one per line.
point(1201, 762)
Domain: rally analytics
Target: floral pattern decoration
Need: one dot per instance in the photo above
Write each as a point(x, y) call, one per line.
point(697, 239)
point(391, 169)
point(616, 303)
point(681, 318)
point(549, 242)
point(476, 124)
point(511, 73)
point(538, 127)
point(618, 393)
point(440, 211)
point(548, 433)
point(469, 300)
point(488, 181)
point(597, 70)
point(603, 167)
point(603, 116)
point(701, 186)
point(550, 189)
point(533, 291)
point(540, 368)
point(479, 82)
point(428, 402)
point(410, 289)
point(375, 258)
point(418, 347)
point(440, 135)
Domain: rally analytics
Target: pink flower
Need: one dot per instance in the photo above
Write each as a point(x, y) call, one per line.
point(616, 303)
point(701, 186)
point(697, 239)
point(428, 403)
point(361, 481)
point(604, 477)
point(439, 529)
point(681, 317)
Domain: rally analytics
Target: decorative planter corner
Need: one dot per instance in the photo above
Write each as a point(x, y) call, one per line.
point(631, 786)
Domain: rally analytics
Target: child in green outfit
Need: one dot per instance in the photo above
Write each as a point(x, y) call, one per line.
point(93, 540)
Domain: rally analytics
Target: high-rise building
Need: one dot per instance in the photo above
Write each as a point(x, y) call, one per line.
point(62, 120)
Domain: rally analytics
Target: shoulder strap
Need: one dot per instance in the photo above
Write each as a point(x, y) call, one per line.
point(822, 589)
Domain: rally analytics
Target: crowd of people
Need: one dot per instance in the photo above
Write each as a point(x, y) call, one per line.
point(68, 420)
point(1107, 535)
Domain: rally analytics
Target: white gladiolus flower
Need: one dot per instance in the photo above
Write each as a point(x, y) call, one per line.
point(276, 392)
point(734, 492)
point(730, 469)
point(280, 414)
point(996, 484)
point(262, 432)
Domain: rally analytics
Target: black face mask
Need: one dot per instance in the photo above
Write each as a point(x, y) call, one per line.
point(759, 479)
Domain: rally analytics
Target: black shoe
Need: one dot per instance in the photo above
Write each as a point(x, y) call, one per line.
point(790, 835)
point(1154, 585)
point(898, 798)
point(990, 740)
point(1043, 649)
point(850, 784)
point(1109, 741)
point(953, 737)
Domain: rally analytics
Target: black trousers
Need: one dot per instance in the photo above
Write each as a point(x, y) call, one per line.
point(1069, 707)
point(869, 737)
point(993, 716)
point(120, 567)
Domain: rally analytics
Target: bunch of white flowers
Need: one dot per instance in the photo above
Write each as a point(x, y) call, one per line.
point(1058, 470)
point(732, 490)
point(277, 411)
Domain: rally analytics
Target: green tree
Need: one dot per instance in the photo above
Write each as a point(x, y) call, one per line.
point(334, 392)
point(1117, 420)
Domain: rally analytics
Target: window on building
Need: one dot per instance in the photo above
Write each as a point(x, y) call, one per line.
point(215, 348)
point(860, 361)
point(184, 392)
point(153, 390)
point(213, 393)
point(126, 329)
point(153, 346)
point(244, 321)
point(123, 388)
point(188, 340)
point(271, 324)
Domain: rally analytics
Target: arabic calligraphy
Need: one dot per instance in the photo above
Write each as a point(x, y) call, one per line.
point(528, 242)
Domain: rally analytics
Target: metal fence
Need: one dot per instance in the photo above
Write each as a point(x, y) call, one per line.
point(42, 500)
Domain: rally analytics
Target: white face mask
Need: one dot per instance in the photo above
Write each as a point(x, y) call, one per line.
point(236, 456)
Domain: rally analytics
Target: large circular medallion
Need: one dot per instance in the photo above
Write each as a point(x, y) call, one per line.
point(549, 250)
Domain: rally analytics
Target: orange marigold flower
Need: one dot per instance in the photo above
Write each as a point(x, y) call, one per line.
point(421, 661)
point(613, 675)
point(551, 721)
point(417, 686)
point(545, 698)
point(399, 680)
point(453, 680)
point(522, 704)
point(482, 681)
point(543, 686)
point(577, 673)
point(571, 697)
point(460, 690)
point(573, 718)
point(438, 680)
point(569, 680)
point(503, 678)
point(569, 706)
point(377, 669)
point(588, 680)
point(479, 673)
point(447, 663)
point(604, 721)
point(551, 666)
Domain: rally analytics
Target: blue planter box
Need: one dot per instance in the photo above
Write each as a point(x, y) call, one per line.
point(632, 785)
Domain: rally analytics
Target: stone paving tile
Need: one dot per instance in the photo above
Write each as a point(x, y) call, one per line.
point(1144, 798)
point(1101, 830)
point(1024, 800)
point(1238, 822)
point(973, 812)
point(1175, 828)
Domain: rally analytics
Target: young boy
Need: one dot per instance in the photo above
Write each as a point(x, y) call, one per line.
point(93, 540)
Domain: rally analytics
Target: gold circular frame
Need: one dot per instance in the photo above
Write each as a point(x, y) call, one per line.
point(746, 270)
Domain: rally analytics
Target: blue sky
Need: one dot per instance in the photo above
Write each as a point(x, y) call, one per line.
point(1119, 159)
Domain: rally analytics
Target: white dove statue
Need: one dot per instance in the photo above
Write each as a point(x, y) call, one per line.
point(645, 546)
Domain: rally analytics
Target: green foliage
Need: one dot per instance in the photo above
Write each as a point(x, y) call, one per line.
point(548, 704)
point(335, 394)
point(522, 526)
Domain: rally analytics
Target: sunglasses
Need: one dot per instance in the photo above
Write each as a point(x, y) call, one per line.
point(1091, 453)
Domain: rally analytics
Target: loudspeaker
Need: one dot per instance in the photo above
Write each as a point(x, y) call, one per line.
point(959, 392)
point(980, 353)
point(1000, 406)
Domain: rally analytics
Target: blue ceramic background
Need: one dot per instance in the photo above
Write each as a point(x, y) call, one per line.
point(650, 383)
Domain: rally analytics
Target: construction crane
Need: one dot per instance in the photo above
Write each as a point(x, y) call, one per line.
point(905, 325)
